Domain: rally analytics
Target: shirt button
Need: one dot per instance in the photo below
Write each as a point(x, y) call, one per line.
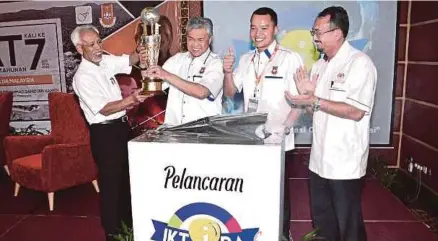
point(184, 102)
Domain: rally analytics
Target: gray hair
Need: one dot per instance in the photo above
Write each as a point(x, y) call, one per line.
point(200, 22)
point(75, 36)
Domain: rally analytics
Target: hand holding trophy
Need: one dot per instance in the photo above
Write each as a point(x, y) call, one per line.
point(151, 42)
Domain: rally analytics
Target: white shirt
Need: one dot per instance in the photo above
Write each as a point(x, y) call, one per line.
point(205, 70)
point(96, 86)
point(340, 146)
point(276, 77)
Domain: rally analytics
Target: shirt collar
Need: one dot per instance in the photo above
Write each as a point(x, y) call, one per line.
point(201, 57)
point(90, 64)
point(269, 51)
point(342, 52)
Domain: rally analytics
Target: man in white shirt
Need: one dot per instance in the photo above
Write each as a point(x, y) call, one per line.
point(264, 75)
point(341, 95)
point(105, 110)
point(195, 78)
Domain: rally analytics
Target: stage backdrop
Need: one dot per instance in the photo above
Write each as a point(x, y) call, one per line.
point(37, 56)
point(372, 29)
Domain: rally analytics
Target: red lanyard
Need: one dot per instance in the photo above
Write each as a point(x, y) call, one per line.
point(259, 77)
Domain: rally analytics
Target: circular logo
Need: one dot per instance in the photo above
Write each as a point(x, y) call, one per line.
point(202, 222)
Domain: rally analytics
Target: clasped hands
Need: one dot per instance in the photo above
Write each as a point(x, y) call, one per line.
point(305, 86)
point(137, 97)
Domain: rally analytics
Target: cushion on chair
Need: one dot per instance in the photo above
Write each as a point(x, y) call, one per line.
point(32, 161)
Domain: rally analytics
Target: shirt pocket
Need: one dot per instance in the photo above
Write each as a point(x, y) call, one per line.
point(273, 77)
point(338, 92)
point(273, 88)
point(196, 78)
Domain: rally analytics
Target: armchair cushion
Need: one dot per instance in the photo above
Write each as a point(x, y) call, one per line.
point(21, 146)
point(32, 161)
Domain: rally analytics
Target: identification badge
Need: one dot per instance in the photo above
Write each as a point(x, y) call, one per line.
point(252, 105)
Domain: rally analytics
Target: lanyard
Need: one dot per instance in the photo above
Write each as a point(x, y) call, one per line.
point(259, 77)
point(202, 70)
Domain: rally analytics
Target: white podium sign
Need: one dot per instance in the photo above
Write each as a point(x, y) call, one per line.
point(206, 192)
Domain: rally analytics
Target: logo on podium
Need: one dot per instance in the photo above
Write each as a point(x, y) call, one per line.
point(202, 222)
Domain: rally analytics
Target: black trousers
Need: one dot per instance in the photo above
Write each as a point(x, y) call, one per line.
point(336, 208)
point(286, 203)
point(109, 146)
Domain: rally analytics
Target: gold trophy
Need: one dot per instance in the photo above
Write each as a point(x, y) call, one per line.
point(151, 42)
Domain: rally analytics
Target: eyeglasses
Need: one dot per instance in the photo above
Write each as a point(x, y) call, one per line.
point(90, 45)
point(318, 33)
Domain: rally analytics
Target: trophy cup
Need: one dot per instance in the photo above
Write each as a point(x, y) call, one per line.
point(151, 42)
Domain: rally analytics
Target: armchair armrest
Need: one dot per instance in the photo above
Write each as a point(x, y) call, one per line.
point(66, 165)
point(21, 146)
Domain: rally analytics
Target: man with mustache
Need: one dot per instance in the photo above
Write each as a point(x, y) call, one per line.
point(105, 110)
point(194, 78)
point(341, 95)
point(264, 75)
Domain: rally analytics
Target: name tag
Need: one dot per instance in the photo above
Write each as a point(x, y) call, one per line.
point(252, 105)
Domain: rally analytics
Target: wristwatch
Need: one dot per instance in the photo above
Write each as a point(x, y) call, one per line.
point(315, 105)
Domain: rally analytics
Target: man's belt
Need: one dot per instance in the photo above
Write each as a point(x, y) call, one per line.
point(114, 121)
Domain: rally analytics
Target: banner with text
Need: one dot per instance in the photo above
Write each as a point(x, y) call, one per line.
point(31, 66)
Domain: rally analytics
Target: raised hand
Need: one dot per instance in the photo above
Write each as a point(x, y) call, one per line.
point(304, 85)
point(229, 61)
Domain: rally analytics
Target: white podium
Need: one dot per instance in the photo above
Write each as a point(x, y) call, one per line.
point(206, 192)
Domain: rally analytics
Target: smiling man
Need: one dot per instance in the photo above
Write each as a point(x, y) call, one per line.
point(195, 77)
point(340, 95)
point(105, 111)
point(264, 75)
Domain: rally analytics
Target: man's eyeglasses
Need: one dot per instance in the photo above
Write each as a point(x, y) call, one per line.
point(318, 34)
point(90, 45)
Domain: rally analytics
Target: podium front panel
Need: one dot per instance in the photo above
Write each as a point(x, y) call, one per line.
point(206, 192)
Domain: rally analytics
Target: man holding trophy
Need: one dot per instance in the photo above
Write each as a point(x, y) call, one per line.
point(105, 111)
point(194, 78)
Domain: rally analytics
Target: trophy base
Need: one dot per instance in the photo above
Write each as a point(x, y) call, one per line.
point(151, 86)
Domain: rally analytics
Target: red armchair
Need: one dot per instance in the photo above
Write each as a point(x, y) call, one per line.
point(5, 118)
point(57, 161)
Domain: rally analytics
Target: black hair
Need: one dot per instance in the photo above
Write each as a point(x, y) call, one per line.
point(338, 18)
point(266, 11)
